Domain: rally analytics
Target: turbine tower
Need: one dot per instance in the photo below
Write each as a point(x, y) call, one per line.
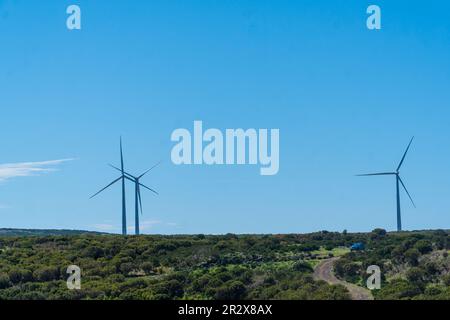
point(398, 182)
point(122, 177)
point(137, 191)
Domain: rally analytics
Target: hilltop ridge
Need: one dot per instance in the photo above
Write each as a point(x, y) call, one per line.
point(12, 232)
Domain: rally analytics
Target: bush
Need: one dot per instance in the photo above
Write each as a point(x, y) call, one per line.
point(302, 266)
point(346, 269)
point(15, 276)
point(378, 234)
point(231, 290)
point(398, 289)
point(46, 274)
point(147, 267)
point(446, 280)
point(412, 256)
point(172, 289)
point(20, 275)
point(4, 281)
point(93, 252)
point(126, 268)
point(423, 246)
point(415, 275)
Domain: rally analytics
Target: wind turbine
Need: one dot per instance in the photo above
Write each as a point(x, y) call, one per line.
point(122, 177)
point(137, 191)
point(398, 182)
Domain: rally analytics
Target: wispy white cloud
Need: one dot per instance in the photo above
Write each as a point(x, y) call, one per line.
point(26, 169)
point(145, 225)
point(105, 227)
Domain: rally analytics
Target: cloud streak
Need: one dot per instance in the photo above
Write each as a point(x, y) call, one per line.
point(26, 169)
point(104, 227)
point(145, 226)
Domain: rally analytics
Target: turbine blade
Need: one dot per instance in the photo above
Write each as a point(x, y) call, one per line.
point(106, 187)
point(376, 174)
point(125, 173)
point(140, 200)
point(142, 185)
point(128, 178)
point(404, 187)
point(404, 155)
point(149, 169)
point(115, 167)
point(121, 155)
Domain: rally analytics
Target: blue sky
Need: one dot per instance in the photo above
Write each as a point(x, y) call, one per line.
point(346, 101)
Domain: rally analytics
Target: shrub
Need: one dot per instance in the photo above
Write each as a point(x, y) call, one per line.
point(446, 280)
point(412, 256)
point(231, 290)
point(416, 275)
point(4, 281)
point(147, 267)
point(398, 289)
point(423, 246)
point(302, 266)
point(46, 274)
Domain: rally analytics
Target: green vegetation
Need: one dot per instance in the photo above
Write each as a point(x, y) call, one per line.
point(414, 265)
point(220, 267)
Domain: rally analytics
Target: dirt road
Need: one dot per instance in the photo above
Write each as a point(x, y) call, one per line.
point(324, 271)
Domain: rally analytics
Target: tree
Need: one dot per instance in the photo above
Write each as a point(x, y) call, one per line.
point(302, 266)
point(416, 275)
point(378, 234)
point(126, 268)
point(94, 252)
point(15, 275)
point(4, 281)
point(231, 290)
point(346, 269)
point(46, 274)
point(446, 280)
point(412, 256)
point(398, 289)
point(423, 246)
point(147, 267)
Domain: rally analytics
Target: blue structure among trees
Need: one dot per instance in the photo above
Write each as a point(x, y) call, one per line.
point(359, 246)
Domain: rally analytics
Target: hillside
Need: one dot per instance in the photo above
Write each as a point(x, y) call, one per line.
point(5, 232)
point(415, 265)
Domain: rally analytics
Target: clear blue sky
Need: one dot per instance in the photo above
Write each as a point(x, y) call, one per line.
point(346, 101)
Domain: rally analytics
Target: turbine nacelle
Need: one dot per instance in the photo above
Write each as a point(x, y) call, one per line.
point(135, 179)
